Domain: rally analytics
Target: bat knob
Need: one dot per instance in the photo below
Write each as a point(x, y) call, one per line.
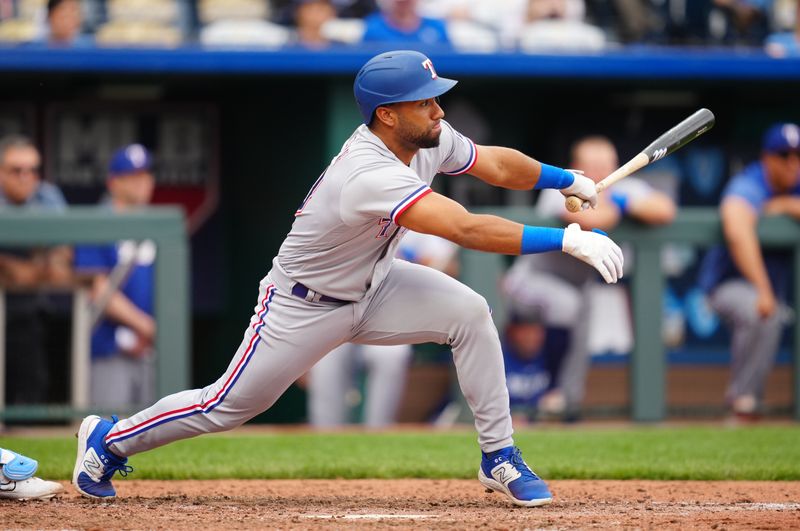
point(574, 203)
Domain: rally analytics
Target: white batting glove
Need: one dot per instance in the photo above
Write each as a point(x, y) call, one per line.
point(595, 249)
point(582, 187)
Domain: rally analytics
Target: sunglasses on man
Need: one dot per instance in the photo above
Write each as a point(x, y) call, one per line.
point(18, 171)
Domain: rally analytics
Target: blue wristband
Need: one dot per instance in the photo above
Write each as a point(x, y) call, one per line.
point(553, 177)
point(621, 200)
point(540, 239)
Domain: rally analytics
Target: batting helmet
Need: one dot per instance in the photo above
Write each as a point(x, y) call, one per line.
point(391, 77)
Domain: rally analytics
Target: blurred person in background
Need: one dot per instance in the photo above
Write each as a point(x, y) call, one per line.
point(333, 381)
point(741, 21)
point(531, 354)
point(785, 44)
point(25, 271)
point(122, 343)
point(309, 17)
point(17, 480)
point(749, 286)
point(559, 287)
point(64, 24)
point(558, 24)
point(400, 21)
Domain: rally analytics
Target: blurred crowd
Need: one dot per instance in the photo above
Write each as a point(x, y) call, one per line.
point(464, 25)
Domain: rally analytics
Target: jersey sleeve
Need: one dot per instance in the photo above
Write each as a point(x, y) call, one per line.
point(747, 189)
point(384, 193)
point(95, 258)
point(459, 152)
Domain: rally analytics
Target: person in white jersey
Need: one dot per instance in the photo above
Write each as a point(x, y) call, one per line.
point(335, 280)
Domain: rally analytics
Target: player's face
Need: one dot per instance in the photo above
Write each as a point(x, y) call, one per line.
point(783, 169)
point(419, 122)
point(133, 189)
point(19, 173)
point(596, 160)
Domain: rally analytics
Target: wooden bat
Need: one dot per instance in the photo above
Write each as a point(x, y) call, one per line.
point(672, 140)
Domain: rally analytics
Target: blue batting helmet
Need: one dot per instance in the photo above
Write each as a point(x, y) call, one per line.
point(391, 77)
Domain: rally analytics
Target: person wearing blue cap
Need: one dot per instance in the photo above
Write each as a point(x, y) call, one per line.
point(749, 286)
point(122, 342)
point(336, 280)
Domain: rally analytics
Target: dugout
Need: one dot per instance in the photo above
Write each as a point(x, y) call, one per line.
point(242, 134)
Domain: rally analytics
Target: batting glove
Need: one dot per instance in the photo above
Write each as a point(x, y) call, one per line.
point(582, 187)
point(595, 249)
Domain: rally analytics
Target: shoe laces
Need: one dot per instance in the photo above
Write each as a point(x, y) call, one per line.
point(118, 465)
point(519, 464)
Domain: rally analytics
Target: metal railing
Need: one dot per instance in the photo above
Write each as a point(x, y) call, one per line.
point(697, 226)
point(165, 226)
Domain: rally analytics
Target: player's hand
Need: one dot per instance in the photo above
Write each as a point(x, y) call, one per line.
point(582, 187)
point(766, 303)
point(596, 249)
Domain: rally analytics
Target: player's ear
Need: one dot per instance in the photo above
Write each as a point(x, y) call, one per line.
point(386, 115)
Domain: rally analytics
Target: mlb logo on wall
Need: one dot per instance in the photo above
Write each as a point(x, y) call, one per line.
point(182, 139)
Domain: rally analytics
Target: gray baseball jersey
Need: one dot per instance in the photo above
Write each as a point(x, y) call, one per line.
point(342, 245)
point(345, 233)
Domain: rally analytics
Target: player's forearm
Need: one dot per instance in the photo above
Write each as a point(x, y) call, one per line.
point(121, 310)
point(655, 209)
point(512, 169)
point(746, 254)
point(493, 234)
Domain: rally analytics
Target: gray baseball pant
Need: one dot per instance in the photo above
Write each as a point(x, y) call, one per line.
point(288, 335)
point(755, 340)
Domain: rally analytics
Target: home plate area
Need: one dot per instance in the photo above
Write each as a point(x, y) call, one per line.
point(415, 503)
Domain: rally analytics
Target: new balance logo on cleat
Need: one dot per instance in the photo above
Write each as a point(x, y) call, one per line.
point(506, 472)
point(92, 464)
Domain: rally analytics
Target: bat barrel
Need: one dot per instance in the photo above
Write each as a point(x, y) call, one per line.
point(680, 135)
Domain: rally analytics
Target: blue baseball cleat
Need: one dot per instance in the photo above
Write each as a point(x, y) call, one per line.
point(95, 464)
point(505, 471)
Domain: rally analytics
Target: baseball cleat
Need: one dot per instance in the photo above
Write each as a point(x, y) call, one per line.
point(28, 489)
point(17, 481)
point(95, 463)
point(506, 472)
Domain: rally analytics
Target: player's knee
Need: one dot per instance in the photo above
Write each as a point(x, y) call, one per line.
point(472, 307)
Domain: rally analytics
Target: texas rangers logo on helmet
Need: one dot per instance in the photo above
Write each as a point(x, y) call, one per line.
point(427, 64)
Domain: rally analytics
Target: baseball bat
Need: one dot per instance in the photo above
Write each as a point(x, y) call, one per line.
point(674, 139)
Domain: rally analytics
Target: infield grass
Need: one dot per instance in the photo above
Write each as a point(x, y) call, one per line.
point(657, 452)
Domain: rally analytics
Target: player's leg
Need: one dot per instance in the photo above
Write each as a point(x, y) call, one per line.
point(277, 348)
point(387, 366)
point(754, 342)
point(417, 304)
point(329, 381)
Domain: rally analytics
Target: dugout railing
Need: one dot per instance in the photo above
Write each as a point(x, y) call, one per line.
point(648, 360)
point(166, 227)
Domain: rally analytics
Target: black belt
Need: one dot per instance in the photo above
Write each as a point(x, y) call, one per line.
point(299, 290)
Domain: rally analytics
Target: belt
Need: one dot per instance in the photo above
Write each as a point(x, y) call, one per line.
point(299, 290)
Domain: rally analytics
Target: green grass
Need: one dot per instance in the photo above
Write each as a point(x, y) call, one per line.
point(699, 453)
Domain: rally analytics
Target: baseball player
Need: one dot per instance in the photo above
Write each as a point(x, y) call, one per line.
point(335, 280)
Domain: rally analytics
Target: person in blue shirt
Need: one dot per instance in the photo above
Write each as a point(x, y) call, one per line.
point(25, 271)
point(122, 342)
point(787, 43)
point(532, 354)
point(399, 21)
point(746, 285)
